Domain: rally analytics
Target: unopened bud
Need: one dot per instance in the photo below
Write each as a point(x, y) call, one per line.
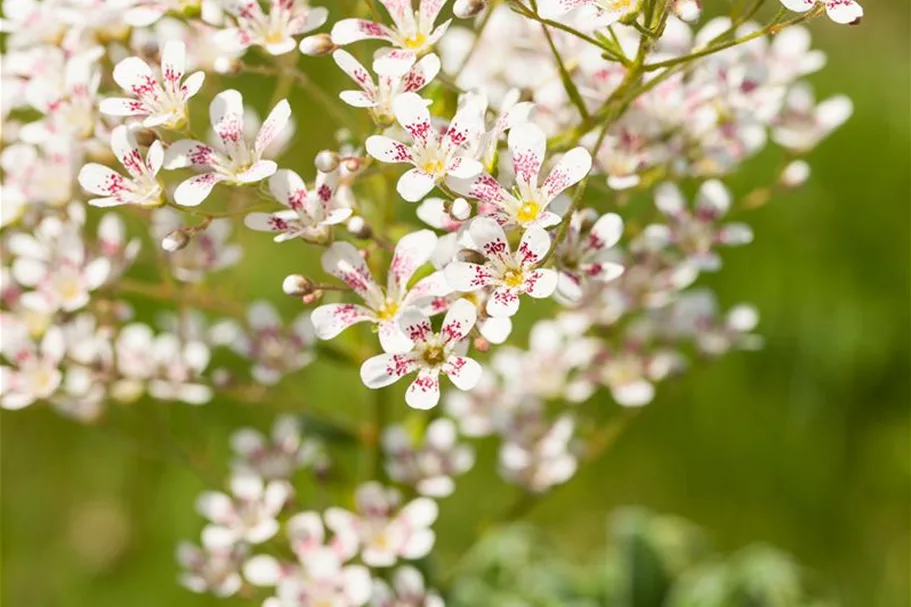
point(470, 256)
point(352, 164)
point(296, 285)
point(463, 9)
point(460, 210)
point(687, 10)
point(481, 344)
point(317, 45)
point(175, 241)
point(144, 137)
point(326, 161)
point(795, 174)
point(311, 298)
point(359, 228)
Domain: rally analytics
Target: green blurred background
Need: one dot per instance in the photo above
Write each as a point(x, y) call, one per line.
point(804, 445)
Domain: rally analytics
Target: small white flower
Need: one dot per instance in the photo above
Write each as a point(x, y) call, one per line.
point(585, 255)
point(275, 30)
point(839, 11)
point(141, 188)
point(385, 532)
point(249, 513)
point(413, 31)
point(205, 252)
point(433, 354)
point(510, 274)
point(430, 465)
point(34, 371)
point(536, 452)
point(235, 160)
point(407, 590)
point(159, 101)
point(384, 307)
point(275, 350)
point(433, 156)
point(277, 457)
point(611, 10)
point(215, 567)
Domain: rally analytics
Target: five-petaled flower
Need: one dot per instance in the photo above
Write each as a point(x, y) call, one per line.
point(140, 188)
point(434, 156)
point(413, 31)
point(235, 160)
point(433, 353)
point(384, 307)
point(527, 205)
point(275, 30)
point(585, 254)
point(610, 11)
point(510, 274)
point(310, 213)
point(839, 11)
point(159, 101)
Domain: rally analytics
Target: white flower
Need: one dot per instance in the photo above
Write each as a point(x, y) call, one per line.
point(585, 254)
point(528, 206)
point(413, 31)
point(215, 567)
point(274, 30)
point(310, 213)
point(207, 251)
point(144, 13)
point(433, 353)
point(611, 10)
point(839, 11)
point(140, 188)
point(277, 457)
point(384, 531)
point(803, 123)
point(407, 590)
point(249, 514)
point(384, 307)
point(34, 368)
point(274, 349)
point(630, 372)
point(159, 101)
point(536, 452)
point(510, 274)
point(433, 156)
point(428, 466)
point(235, 160)
point(399, 76)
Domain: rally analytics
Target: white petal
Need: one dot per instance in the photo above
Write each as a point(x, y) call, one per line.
point(411, 112)
point(414, 185)
point(347, 31)
point(385, 369)
point(527, 144)
point(263, 570)
point(274, 124)
point(504, 301)
point(415, 325)
point(466, 277)
point(386, 149)
point(412, 251)
point(490, 239)
point(463, 372)
point(424, 391)
point(533, 247)
point(331, 319)
point(459, 321)
point(540, 283)
point(572, 168)
point(344, 261)
point(191, 192)
point(605, 233)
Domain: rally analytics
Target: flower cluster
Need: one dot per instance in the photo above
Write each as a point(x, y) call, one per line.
point(550, 149)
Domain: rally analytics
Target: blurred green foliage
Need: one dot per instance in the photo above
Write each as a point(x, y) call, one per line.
point(804, 445)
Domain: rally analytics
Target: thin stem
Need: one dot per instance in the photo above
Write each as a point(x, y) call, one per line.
point(571, 89)
point(530, 14)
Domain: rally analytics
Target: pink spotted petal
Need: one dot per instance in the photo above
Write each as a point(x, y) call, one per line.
point(399, 10)
point(124, 146)
point(467, 277)
point(394, 62)
point(187, 152)
point(424, 391)
point(540, 283)
point(173, 63)
point(490, 239)
point(463, 372)
point(386, 149)
point(289, 189)
point(355, 71)
point(331, 319)
point(226, 113)
point(463, 167)
point(412, 251)
point(459, 321)
point(386, 369)
point(135, 76)
point(120, 106)
point(571, 169)
point(485, 188)
point(392, 339)
point(466, 125)
point(605, 233)
point(193, 191)
point(411, 112)
point(527, 144)
point(274, 124)
point(843, 11)
point(344, 261)
point(414, 185)
point(101, 180)
point(347, 31)
point(504, 301)
point(423, 72)
point(534, 246)
point(432, 286)
point(415, 325)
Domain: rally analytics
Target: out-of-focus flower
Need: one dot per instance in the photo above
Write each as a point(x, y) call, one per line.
point(612, 10)
point(159, 101)
point(278, 457)
point(33, 372)
point(249, 513)
point(274, 349)
point(433, 353)
point(803, 123)
point(407, 590)
point(215, 567)
point(510, 274)
point(234, 160)
point(206, 251)
point(384, 307)
point(536, 453)
point(585, 255)
point(413, 31)
point(433, 156)
point(275, 30)
point(430, 465)
point(386, 532)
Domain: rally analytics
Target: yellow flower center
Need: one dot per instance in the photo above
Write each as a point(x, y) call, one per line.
point(513, 278)
point(416, 41)
point(433, 355)
point(433, 167)
point(388, 311)
point(528, 211)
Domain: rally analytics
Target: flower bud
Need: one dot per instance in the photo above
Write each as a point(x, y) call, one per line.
point(326, 161)
point(481, 344)
point(352, 164)
point(317, 45)
point(359, 228)
point(464, 9)
point(687, 10)
point(460, 210)
point(175, 241)
point(795, 174)
point(470, 256)
point(296, 285)
point(311, 298)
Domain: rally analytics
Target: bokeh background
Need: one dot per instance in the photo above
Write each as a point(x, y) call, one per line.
point(803, 445)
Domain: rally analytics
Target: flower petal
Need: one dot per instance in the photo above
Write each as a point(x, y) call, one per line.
point(411, 112)
point(386, 369)
point(490, 239)
point(415, 325)
point(466, 277)
point(414, 185)
point(459, 321)
point(527, 144)
point(191, 192)
point(504, 301)
point(463, 372)
point(344, 261)
point(274, 124)
point(605, 233)
point(571, 169)
point(347, 31)
point(386, 149)
point(424, 391)
point(533, 247)
point(540, 283)
point(412, 251)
